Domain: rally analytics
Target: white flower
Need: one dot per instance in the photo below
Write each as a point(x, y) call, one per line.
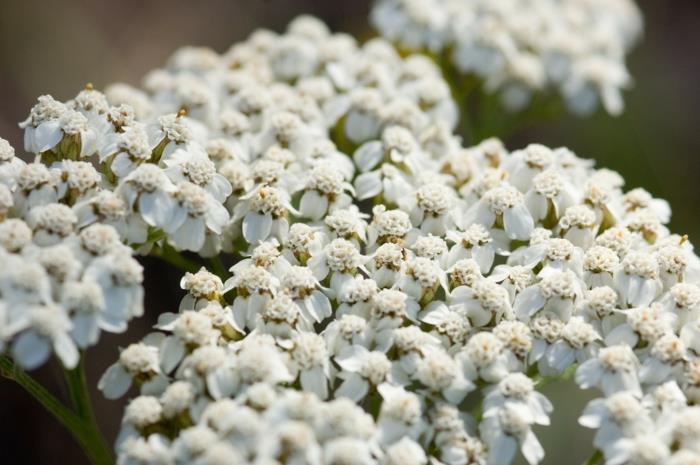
point(614, 369)
point(620, 415)
point(138, 361)
point(478, 243)
point(310, 360)
point(137, 450)
point(431, 209)
point(363, 117)
point(45, 329)
point(400, 414)
point(348, 450)
point(109, 208)
point(127, 150)
point(442, 376)
point(484, 357)
point(504, 429)
point(643, 323)
point(646, 449)
point(202, 287)
point(254, 287)
point(666, 360)
point(51, 223)
point(301, 285)
point(579, 225)
point(421, 279)
point(264, 212)
point(504, 204)
point(345, 331)
point(555, 293)
point(200, 170)
point(387, 226)
point(397, 145)
point(517, 388)
point(148, 189)
point(405, 452)
point(42, 129)
point(637, 279)
point(10, 165)
point(324, 192)
point(362, 369)
point(387, 181)
point(484, 302)
point(550, 195)
point(196, 213)
point(577, 344)
point(341, 260)
point(120, 277)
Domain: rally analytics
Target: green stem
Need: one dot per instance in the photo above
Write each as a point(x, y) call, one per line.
point(541, 381)
point(83, 431)
point(217, 267)
point(80, 396)
point(175, 258)
point(595, 458)
point(77, 389)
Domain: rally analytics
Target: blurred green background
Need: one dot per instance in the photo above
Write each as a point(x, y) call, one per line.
point(51, 46)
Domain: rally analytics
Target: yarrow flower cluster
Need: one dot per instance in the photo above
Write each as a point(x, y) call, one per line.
point(523, 47)
point(400, 296)
point(396, 299)
point(65, 276)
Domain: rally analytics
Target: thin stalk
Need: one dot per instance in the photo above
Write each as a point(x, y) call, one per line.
point(84, 433)
point(80, 397)
point(175, 258)
point(218, 268)
point(595, 458)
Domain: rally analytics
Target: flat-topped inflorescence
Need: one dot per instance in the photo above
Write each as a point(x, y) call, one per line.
point(521, 48)
point(397, 297)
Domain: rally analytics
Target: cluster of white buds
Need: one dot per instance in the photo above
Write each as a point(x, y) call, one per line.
point(63, 279)
point(399, 281)
point(524, 47)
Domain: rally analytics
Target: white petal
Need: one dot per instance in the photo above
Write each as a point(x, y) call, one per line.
point(256, 227)
point(191, 235)
point(351, 357)
point(368, 155)
point(528, 302)
point(560, 355)
point(532, 449)
point(622, 334)
point(502, 450)
point(354, 387)
point(320, 304)
point(517, 222)
point(156, 208)
point(31, 350)
point(315, 381)
point(221, 383)
point(85, 330)
point(589, 373)
point(367, 185)
point(593, 414)
point(313, 205)
point(171, 352)
point(66, 350)
point(47, 135)
point(114, 382)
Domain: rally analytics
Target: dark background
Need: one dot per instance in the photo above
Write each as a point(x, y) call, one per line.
point(56, 47)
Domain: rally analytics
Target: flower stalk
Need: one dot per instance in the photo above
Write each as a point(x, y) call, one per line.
point(80, 423)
